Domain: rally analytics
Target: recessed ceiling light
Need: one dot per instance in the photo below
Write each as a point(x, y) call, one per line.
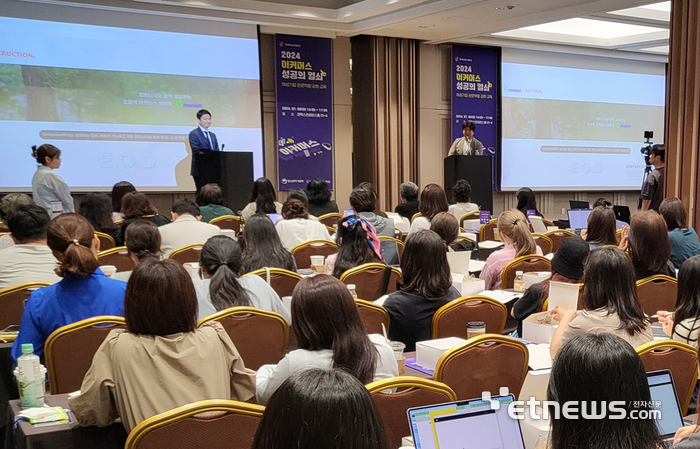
point(347, 14)
point(662, 49)
point(306, 14)
point(587, 28)
point(655, 11)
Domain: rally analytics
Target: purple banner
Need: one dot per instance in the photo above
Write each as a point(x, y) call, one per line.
point(304, 110)
point(475, 84)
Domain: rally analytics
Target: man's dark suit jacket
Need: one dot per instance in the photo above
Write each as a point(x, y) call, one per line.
point(200, 145)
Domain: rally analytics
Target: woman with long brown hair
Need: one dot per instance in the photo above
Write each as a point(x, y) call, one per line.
point(432, 201)
point(329, 334)
point(601, 228)
point(648, 245)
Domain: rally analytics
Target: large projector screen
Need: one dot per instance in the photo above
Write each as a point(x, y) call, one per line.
point(578, 127)
point(120, 102)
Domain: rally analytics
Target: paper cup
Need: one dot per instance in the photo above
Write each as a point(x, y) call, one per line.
point(317, 263)
point(108, 270)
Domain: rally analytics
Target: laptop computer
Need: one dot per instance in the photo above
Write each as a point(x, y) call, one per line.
point(578, 218)
point(663, 393)
point(575, 204)
point(622, 213)
point(449, 425)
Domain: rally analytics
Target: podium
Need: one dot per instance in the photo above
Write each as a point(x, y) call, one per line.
point(478, 171)
point(233, 171)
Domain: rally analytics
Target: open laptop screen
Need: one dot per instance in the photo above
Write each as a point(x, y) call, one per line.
point(578, 218)
point(663, 393)
point(465, 424)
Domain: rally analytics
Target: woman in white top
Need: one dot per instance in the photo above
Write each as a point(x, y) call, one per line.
point(684, 324)
point(49, 190)
point(461, 195)
point(432, 201)
point(330, 335)
point(296, 228)
point(221, 288)
point(262, 200)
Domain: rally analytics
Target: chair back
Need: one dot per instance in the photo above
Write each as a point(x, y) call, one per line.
point(282, 281)
point(369, 280)
point(657, 293)
point(232, 222)
point(557, 237)
point(412, 392)
point(302, 252)
point(106, 241)
point(680, 358)
point(469, 216)
point(12, 302)
point(70, 349)
point(260, 336)
point(118, 256)
point(330, 219)
point(451, 319)
point(484, 363)
point(3, 228)
point(545, 243)
point(530, 262)
point(211, 424)
point(372, 316)
point(486, 231)
point(187, 254)
point(416, 215)
point(399, 245)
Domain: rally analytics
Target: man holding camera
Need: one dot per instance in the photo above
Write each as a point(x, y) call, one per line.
point(653, 188)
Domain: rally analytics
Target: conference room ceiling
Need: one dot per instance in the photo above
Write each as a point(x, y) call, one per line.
point(639, 26)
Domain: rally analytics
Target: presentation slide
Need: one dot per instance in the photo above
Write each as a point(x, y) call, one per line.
point(119, 103)
point(575, 128)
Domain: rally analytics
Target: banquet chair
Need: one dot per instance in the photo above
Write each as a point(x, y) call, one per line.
point(260, 336)
point(530, 262)
point(211, 424)
point(106, 241)
point(282, 281)
point(187, 254)
point(544, 242)
point(118, 256)
point(469, 216)
point(680, 358)
point(369, 280)
point(451, 319)
point(412, 392)
point(484, 363)
point(399, 244)
point(330, 219)
point(232, 222)
point(486, 232)
point(372, 316)
point(302, 252)
point(70, 349)
point(656, 293)
point(557, 237)
point(12, 302)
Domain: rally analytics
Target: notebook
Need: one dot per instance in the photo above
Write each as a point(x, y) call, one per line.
point(578, 218)
point(663, 393)
point(449, 425)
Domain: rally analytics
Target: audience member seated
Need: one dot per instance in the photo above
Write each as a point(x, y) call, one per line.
point(298, 194)
point(515, 233)
point(432, 201)
point(321, 409)
point(409, 200)
point(684, 324)
point(118, 191)
point(136, 205)
point(601, 228)
point(162, 360)
point(603, 202)
point(262, 200)
point(567, 266)
point(222, 288)
point(97, 209)
point(368, 186)
point(8, 202)
point(186, 228)
point(212, 199)
point(84, 291)
point(597, 369)
point(329, 333)
point(424, 287)
point(263, 247)
point(358, 245)
point(648, 245)
point(610, 302)
point(30, 259)
point(462, 197)
point(142, 240)
point(446, 226)
point(526, 201)
point(684, 240)
point(296, 228)
point(320, 202)
point(363, 201)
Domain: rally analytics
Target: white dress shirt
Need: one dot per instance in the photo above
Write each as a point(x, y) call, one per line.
point(184, 231)
point(299, 230)
point(23, 263)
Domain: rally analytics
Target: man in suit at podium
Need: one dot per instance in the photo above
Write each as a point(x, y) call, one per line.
point(467, 145)
point(202, 143)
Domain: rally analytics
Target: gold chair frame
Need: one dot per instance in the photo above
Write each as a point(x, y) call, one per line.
point(464, 300)
point(410, 382)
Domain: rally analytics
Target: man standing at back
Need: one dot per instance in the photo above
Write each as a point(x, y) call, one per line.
point(202, 143)
point(653, 188)
point(29, 259)
point(186, 227)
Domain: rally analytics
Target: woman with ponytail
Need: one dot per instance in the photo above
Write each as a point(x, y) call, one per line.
point(84, 292)
point(515, 232)
point(142, 240)
point(221, 287)
point(49, 190)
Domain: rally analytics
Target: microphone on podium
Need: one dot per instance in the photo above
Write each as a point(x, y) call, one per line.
point(222, 146)
point(491, 150)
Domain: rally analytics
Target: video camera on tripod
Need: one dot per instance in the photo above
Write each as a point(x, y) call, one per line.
point(646, 151)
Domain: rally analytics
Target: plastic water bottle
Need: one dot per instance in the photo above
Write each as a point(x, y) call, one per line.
point(31, 388)
point(519, 283)
point(351, 287)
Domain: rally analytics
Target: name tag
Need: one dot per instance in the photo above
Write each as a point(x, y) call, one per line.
point(56, 207)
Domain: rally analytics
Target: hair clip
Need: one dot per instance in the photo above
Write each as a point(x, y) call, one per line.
point(76, 242)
